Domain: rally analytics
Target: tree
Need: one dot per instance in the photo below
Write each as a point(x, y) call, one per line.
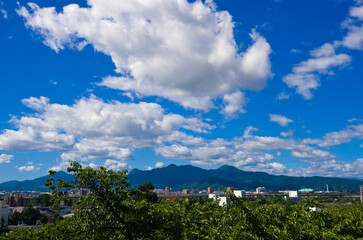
point(113, 211)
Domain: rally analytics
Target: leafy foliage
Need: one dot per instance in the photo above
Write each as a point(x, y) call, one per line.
point(113, 211)
point(28, 216)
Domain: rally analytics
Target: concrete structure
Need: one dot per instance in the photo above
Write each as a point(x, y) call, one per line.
point(240, 193)
point(4, 213)
point(210, 189)
point(293, 195)
point(213, 196)
point(361, 192)
point(185, 191)
point(167, 190)
point(15, 200)
point(223, 201)
point(229, 189)
point(261, 190)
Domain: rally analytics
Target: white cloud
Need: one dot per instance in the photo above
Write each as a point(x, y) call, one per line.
point(281, 120)
point(5, 158)
point(234, 104)
point(94, 129)
point(289, 133)
point(354, 37)
point(28, 168)
point(182, 51)
point(337, 138)
point(283, 96)
point(314, 154)
point(115, 164)
point(148, 168)
point(305, 76)
point(159, 164)
point(4, 13)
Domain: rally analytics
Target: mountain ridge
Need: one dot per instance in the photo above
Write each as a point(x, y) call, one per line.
point(195, 178)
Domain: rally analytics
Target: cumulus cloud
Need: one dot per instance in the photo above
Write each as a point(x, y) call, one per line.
point(28, 168)
point(159, 164)
point(305, 76)
point(5, 158)
point(289, 133)
point(337, 138)
point(281, 120)
point(354, 37)
point(94, 129)
point(115, 164)
point(183, 51)
point(234, 104)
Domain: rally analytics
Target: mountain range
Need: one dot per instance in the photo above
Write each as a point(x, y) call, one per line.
point(195, 178)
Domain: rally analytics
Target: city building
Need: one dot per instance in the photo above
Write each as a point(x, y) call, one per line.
point(261, 190)
point(210, 189)
point(229, 189)
point(185, 191)
point(240, 193)
point(167, 190)
point(361, 193)
point(15, 200)
point(4, 213)
point(82, 192)
point(306, 190)
point(293, 195)
point(213, 196)
point(223, 201)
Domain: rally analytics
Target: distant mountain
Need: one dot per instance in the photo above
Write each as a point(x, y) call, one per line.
point(190, 177)
point(35, 184)
point(195, 178)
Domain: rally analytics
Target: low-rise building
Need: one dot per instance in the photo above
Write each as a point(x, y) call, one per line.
point(240, 193)
point(223, 201)
point(260, 190)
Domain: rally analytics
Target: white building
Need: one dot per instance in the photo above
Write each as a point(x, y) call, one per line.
point(213, 196)
point(294, 195)
point(240, 193)
point(261, 190)
point(223, 201)
point(4, 212)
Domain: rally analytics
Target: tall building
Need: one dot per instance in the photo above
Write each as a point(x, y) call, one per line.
point(230, 189)
point(15, 200)
point(4, 213)
point(210, 189)
point(361, 193)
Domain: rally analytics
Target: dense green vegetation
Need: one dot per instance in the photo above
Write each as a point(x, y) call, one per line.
point(28, 216)
point(113, 211)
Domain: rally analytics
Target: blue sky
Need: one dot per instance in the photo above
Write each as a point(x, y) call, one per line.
point(273, 86)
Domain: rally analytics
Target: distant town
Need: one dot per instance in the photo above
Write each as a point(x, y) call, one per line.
point(15, 203)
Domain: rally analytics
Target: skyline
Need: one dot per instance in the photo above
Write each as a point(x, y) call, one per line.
point(273, 86)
